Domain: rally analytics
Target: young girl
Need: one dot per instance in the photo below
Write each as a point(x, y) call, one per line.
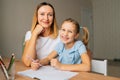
point(71, 53)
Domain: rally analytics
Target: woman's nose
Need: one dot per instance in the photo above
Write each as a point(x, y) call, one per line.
point(46, 17)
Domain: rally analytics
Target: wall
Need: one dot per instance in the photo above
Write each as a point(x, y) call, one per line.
point(106, 20)
point(16, 17)
point(0, 27)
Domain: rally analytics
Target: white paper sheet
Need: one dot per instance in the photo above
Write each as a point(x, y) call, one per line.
point(48, 73)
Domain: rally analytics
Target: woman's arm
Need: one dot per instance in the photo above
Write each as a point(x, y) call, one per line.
point(84, 66)
point(30, 46)
point(37, 64)
point(29, 51)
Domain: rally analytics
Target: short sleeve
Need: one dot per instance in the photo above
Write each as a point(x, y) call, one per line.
point(28, 35)
point(59, 47)
point(81, 47)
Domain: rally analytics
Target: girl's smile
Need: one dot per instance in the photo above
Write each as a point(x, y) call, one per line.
point(68, 33)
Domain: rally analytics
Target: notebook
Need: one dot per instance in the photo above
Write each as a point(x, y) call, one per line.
point(48, 73)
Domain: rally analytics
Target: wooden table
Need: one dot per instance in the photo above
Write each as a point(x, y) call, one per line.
point(81, 76)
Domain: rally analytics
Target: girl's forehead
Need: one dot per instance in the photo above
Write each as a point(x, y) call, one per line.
point(68, 24)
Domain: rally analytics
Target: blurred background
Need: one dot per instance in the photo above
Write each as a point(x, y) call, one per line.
point(101, 17)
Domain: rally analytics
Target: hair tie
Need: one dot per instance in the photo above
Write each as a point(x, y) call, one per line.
point(81, 27)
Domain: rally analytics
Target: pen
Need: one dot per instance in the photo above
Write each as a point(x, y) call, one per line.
point(32, 60)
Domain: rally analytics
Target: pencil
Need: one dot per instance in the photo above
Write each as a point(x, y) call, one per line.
point(2, 62)
point(4, 71)
point(11, 62)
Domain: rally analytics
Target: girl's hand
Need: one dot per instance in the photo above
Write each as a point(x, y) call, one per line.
point(55, 63)
point(38, 29)
point(35, 65)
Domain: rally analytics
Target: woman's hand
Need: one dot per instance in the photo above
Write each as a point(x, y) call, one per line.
point(55, 63)
point(35, 65)
point(38, 29)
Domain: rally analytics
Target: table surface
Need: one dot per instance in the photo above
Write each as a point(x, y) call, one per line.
point(81, 76)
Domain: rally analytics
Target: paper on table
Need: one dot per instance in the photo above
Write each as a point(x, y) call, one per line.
point(48, 73)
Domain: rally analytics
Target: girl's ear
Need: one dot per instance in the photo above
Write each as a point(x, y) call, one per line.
point(76, 36)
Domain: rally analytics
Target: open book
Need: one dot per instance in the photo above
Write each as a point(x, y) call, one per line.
point(48, 73)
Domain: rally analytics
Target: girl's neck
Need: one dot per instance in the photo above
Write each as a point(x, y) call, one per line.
point(69, 45)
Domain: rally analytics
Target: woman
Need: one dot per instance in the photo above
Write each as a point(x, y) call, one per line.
point(43, 37)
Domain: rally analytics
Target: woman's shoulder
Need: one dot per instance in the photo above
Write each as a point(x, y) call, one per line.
point(28, 31)
point(56, 39)
point(27, 35)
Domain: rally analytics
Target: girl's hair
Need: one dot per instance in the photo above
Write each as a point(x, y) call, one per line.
point(54, 27)
point(85, 36)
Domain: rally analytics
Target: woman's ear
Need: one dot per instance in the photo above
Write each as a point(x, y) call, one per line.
point(76, 36)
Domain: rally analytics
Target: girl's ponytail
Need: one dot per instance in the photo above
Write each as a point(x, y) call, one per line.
point(85, 37)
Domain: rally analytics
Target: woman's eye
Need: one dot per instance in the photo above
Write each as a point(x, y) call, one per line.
point(50, 14)
point(42, 14)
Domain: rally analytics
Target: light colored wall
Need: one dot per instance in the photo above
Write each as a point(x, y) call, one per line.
point(0, 27)
point(16, 17)
point(106, 20)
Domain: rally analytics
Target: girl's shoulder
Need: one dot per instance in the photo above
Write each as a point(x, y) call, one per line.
point(80, 47)
point(78, 43)
point(60, 43)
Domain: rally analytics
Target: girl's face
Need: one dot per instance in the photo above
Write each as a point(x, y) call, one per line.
point(45, 16)
point(68, 33)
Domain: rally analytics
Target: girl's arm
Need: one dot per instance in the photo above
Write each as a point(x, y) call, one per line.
point(47, 60)
point(84, 66)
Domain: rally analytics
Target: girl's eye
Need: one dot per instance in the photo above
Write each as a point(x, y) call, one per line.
point(70, 31)
point(62, 29)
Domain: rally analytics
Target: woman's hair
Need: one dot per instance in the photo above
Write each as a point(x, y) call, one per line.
point(54, 27)
point(85, 36)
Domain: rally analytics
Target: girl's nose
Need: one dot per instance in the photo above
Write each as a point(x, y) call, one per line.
point(66, 33)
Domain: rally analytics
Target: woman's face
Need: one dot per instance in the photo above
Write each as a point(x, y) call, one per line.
point(45, 16)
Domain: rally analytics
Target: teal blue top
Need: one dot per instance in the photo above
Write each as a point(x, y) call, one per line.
point(70, 56)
